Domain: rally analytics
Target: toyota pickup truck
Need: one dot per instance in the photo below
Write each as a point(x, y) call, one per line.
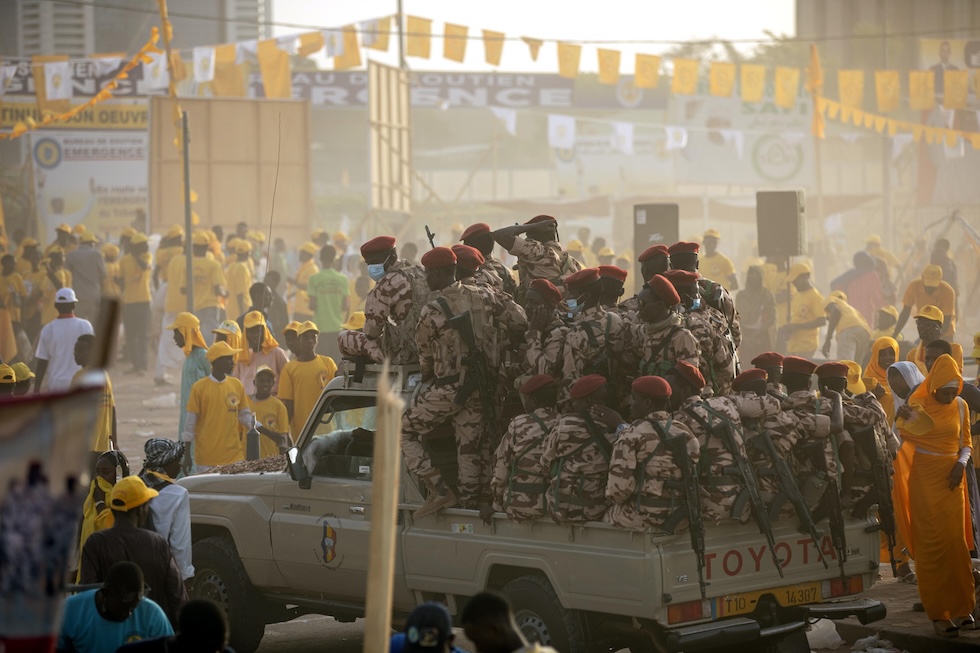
point(270, 547)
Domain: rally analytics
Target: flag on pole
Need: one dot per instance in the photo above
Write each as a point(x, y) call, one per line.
point(493, 46)
point(203, 64)
point(561, 132)
point(647, 71)
point(508, 117)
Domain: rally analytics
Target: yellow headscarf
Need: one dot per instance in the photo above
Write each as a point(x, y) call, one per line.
point(269, 342)
point(880, 374)
point(935, 425)
point(189, 327)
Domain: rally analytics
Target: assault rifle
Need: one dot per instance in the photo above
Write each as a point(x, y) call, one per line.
point(431, 236)
point(677, 445)
point(476, 363)
point(881, 493)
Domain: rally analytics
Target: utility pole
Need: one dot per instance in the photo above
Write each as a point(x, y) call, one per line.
point(188, 240)
point(400, 19)
point(886, 155)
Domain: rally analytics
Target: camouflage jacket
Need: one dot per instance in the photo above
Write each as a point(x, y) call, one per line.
point(520, 480)
point(716, 362)
point(655, 348)
point(392, 310)
point(717, 296)
point(594, 344)
point(760, 414)
point(812, 415)
point(537, 260)
point(867, 425)
point(576, 453)
point(545, 350)
point(497, 274)
point(645, 484)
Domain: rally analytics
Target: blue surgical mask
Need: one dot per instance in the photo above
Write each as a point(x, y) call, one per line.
point(696, 304)
point(376, 271)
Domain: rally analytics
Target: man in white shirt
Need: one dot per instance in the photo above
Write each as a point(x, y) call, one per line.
point(56, 345)
point(170, 510)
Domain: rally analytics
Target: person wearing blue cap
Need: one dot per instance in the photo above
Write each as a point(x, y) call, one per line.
point(429, 629)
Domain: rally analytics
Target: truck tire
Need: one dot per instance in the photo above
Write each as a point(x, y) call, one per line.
point(221, 578)
point(540, 615)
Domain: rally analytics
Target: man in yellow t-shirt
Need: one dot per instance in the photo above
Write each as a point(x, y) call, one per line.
point(929, 290)
point(301, 311)
point(302, 379)
point(239, 276)
point(209, 284)
point(217, 410)
point(49, 279)
point(105, 422)
point(929, 325)
point(850, 327)
point(714, 265)
point(135, 269)
point(271, 418)
point(802, 334)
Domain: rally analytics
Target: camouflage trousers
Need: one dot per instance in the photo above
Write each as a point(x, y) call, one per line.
point(576, 498)
point(432, 407)
point(355, 343)
point(718, 492)
point(524, 497)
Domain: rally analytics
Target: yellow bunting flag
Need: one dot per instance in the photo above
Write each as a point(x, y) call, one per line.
point(40, 85)
point(454, 42)
point(647, 71)
point(419, 31)
point(351, 58)
point(534, 45)
point(956, 86)
point(229, 77)
point(952, 137)
point(721, 80)
point(753, 82)
point(922, 91)
point(685, 80)
point(787, 86)
point(892, 126)
point(880, 122)
point(608, 66)
point(493, 46)
point(309, 43)
point(378, 40)
point(568, 59)
point(274, 66)
point(850, 88)
point(887, 89)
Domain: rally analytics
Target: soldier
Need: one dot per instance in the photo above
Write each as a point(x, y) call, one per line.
point(659, 339)
point(613, 281)
point(702, 415)
point(392, 308)
point(544, 351)
point(539, 255)
point(707, 324)
point(684, 256)
point(653, 260)
point(479, 237)
point(520, 482)
point(455, 377)
point(772, 363)
point(577, 451)
point(643, 488)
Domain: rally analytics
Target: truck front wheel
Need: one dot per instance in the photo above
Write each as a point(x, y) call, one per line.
point(541, 617)
point(221, 578)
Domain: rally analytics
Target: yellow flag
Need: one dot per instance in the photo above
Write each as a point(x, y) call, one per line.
point(309, 43)
point(647, 71)
point(892, 126)
point(880, 122)
point(850, 88)
point(753, 82)
point(608, 66)
point(274, 66)
point(922, 90)
point(887, 89)
point(352, 51)
point(952, 136)
point(419, 39)
point(787, 86)
point(568, 58)
point(40, 85)
point(454, 42)
point(721, 79)
point(956, 86)
point(493, 46)
point(685, 80)
point(379, 40)
point(534, 45)
point(229, 77)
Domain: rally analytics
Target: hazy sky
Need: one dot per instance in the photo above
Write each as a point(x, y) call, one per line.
point(621, 20)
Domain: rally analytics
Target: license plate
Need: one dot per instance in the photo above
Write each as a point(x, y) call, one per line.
point(746, 602)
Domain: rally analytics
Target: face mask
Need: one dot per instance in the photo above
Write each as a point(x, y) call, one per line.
point(376, 271)
point(696, 304)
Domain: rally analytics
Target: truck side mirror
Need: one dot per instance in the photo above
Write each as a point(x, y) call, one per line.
point(297, 468)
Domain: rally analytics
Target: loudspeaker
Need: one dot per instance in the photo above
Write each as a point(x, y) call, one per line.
point(655, 224)
point(781, 223)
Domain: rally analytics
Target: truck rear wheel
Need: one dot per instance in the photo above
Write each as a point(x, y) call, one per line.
point(541, 617)
point(221, 578)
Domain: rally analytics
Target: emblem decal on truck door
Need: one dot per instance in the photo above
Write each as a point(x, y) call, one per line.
point(326, 551)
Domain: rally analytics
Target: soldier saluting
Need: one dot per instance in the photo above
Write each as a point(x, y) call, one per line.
point(492, 272)
point(539, 254)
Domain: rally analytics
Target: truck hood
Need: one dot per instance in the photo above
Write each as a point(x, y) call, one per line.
point(256, 484)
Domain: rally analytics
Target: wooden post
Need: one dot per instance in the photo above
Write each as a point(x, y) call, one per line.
point(384, 513)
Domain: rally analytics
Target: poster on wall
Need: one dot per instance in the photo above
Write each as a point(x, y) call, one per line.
point(95, 178)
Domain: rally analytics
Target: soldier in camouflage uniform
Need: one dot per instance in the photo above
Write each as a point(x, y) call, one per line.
point(659, 339)
point(716, 362)
point(544, 341)
point(613, 281)
point(645, 483)
point(772, 363)
point(577, 452)
point(391, 309)
point(520, 482)
point(492, 272)
point(654, 260)
point(539, 254)
point(450, 383)
point(719, 488)
point(684, 256)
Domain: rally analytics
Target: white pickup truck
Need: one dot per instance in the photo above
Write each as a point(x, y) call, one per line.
point(272, 546)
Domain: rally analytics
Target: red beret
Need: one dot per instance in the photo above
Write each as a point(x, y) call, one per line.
point(438, 257)
point(681, 278)
point(650, 252)
point(377, 245)
point(582, 278)
point(537, 382)
point(542, 218)
point(683, 248)
point(690, 374)
point(748, 376)
point(832, 370)
point(468, 258)
point(548, 291)
point(651, 386)
point(587, 385)
point(768, 359)
point(612, 272)
point(664, 290)
point(797, 365)
point(475, 230)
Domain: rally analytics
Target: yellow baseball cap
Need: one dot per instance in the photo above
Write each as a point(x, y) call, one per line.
point(220, 350)
point(228, 327)
point(712, 233)
point(63, 227)
point(976, 344)
point(606, 251)
point(138, 238)
point(243, 247)
point(796, 270)
point(22, 372)
point(110, 250)
point(79, 228)
point(855, 384)
point(265, 368)
point(932, 275)
point(873, 239)
point(292, 326)
point(341, 236)
point(130, 492)
point(254, 319)
point(574, 246)
point(890, 310)
point(317, 233)
point(304, 327)
point(175, 231)
point(7, 374)
point(127, 232)
point(257, 236)
point(931, 313)
point(88, 237)
point(200, 238)
point(310, 248)
point(355, 321)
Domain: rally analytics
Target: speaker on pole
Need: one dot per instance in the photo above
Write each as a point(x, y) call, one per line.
point(654, 224)
point(781, 223)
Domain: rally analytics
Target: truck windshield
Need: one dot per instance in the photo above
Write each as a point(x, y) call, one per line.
point(342, 443)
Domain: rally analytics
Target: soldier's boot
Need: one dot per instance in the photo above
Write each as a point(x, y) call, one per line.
point(439, 497)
